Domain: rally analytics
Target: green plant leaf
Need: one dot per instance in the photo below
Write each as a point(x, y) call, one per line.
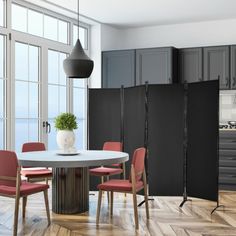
point(66, 121)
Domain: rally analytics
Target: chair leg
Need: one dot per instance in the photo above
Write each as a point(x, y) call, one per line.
point(46, 180)
point(146, 201)
point(24, 202)
point(99, 206)
point(17, 201)
point(108, 195)
point(45, 192)
point(135, 210)
point(111, 204)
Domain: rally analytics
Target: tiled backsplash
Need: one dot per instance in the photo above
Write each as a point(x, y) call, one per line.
point(227, 106)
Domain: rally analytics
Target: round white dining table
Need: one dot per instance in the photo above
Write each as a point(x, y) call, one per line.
point(70, 182)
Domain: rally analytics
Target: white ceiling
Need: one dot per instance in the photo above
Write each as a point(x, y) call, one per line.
point(137, 13)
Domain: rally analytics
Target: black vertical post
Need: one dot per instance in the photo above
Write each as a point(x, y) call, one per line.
point(185, 145)
point(146, 128)
point(87, 117)
point(122, 116)
point(122, 122)
point(146, 138)
point(217, 169)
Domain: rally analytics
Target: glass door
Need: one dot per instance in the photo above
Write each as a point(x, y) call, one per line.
point(27, 82)
point(2, 91)
point(58, 93)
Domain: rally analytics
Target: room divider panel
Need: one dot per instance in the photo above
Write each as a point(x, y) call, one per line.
point(134, 120)
point(165, 139)
point(104, 120)
point(203, 136)
point(177, 123)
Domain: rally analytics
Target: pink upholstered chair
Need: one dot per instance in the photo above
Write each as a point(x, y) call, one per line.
point(35, 173)
point(12, 186)
point(134, 184)
point(115, 169)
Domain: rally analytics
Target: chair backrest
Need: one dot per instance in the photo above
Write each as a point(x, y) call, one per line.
point(113, 146)
point(33, 146)
point(138, 162)
point(8, 167)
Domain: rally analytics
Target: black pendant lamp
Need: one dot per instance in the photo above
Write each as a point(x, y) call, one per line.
point(78, 64)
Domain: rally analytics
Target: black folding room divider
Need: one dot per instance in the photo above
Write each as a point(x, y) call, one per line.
point(134, 120)
point(165, 139)
point(177, 123)
point(104, 121)
point(203, 136)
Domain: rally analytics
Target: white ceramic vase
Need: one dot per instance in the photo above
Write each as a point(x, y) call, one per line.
point(66, 140)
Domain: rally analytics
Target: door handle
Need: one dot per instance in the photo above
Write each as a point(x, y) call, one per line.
point(47, 125)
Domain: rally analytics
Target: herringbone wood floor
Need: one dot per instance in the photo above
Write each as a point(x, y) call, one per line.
point(165, 218)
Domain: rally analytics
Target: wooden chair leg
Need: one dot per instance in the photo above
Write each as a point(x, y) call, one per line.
point(108, 195)
point(45, 192)
point(124, 173)
point(17, 201)
point(145, 193)
point(24, 202)
point(146, 201)
point(135, 210)
point(99, 206)
point(111, 204)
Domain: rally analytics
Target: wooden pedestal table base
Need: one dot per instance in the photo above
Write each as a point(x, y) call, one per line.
point(70, 190)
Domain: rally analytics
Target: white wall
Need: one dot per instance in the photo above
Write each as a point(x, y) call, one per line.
point(95, 54)
point(179, 35)
point(102, 36)
point(111, 37)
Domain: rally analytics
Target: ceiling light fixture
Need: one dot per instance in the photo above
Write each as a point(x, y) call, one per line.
point(78, 64)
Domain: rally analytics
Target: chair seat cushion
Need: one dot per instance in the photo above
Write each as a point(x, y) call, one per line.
point(37, 173)
point(120, 185)
point(26, 188)
point(116, 165)
point(100, 171)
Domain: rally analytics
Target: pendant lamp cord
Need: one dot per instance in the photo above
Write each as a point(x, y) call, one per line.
point(78, 19)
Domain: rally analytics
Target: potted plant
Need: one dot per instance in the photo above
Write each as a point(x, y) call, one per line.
point(65, 123)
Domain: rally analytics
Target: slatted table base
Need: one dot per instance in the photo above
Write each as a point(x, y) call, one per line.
point(70, 190)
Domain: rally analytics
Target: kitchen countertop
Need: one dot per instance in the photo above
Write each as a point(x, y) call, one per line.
point(232, 130)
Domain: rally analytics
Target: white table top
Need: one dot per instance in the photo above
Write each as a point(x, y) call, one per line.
point(83, 159)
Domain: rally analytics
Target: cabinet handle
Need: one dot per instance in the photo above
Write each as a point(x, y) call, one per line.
point(234, 81)
point(170, 80)
point(226, 81)
point(231, 176)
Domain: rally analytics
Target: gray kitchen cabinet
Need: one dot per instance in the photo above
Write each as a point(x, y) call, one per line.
point(216, 65)
point(227, 160)
point(118, 68)
point(190, 65)
point(156, 65)
point(233, 66)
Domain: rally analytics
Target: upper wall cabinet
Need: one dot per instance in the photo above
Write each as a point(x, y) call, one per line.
point(233, 67)
point(118, 68)
point(190, 65)
point(216, 65)
point(156, 66)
